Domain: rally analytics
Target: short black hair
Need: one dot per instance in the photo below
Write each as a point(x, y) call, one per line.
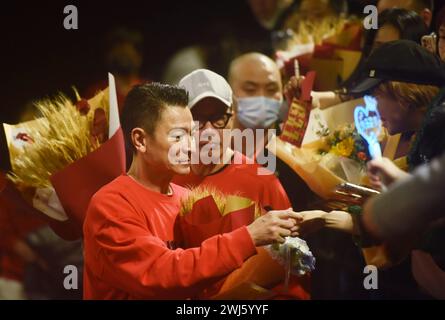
point(144, 105)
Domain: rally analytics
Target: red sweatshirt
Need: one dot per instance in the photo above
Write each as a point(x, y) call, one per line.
point(126, 234)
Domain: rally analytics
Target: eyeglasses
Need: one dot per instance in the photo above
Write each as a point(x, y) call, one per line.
point(217, 121)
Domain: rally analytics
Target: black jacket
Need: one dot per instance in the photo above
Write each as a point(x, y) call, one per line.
point(430, 140)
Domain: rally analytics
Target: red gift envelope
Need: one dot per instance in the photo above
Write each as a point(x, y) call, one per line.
point(298, 117)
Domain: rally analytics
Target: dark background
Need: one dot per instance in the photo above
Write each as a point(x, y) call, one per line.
point(39, 57)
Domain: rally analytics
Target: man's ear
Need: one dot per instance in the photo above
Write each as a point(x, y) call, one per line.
point(139, 139)
point(427, 17)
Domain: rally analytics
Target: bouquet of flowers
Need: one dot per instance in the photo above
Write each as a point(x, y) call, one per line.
point(59, 160)
point(207, 212)
point(344, 142)
point(332, 151)
point(329, 46)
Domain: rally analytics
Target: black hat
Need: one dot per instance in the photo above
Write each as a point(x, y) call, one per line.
point(403, 61)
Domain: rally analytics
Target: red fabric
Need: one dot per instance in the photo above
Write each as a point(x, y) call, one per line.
point(126, 233)
point(205, 220)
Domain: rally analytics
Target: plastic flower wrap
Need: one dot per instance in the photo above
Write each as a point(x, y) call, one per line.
point(59, 160)
point(332, 152)
point(294, 253)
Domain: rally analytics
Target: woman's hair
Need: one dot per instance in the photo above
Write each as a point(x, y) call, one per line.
point(409, 94)
point(409, 24)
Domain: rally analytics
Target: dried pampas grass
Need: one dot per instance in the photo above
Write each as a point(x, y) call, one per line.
point(315, 31)
point(60, 137)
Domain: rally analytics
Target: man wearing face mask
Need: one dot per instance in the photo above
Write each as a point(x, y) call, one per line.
point(256, 83)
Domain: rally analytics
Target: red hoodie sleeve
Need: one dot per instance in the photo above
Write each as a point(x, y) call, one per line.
point(274, 194)
point(122, 251)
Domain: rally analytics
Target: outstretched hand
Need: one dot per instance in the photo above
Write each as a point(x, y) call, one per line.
point(383, 171)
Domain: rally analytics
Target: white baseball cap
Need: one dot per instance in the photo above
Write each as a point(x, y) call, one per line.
point(203, 83)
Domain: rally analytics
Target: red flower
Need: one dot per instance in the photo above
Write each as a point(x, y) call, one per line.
point(83, 106)
point(24, 137)
point(362, 156)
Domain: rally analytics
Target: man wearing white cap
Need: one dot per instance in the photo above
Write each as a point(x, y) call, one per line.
point(211, 104)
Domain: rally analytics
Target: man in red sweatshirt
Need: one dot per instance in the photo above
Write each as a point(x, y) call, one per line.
point(129, 226)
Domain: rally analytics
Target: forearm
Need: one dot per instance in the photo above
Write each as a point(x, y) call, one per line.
point(428, 274)
point(162, 273)
point(341, 221)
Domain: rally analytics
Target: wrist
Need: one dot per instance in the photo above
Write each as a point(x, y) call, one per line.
point(251, 231)
point(360, 236)
point(341, 221)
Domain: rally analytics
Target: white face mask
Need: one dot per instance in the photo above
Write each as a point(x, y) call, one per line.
point(258, 112)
